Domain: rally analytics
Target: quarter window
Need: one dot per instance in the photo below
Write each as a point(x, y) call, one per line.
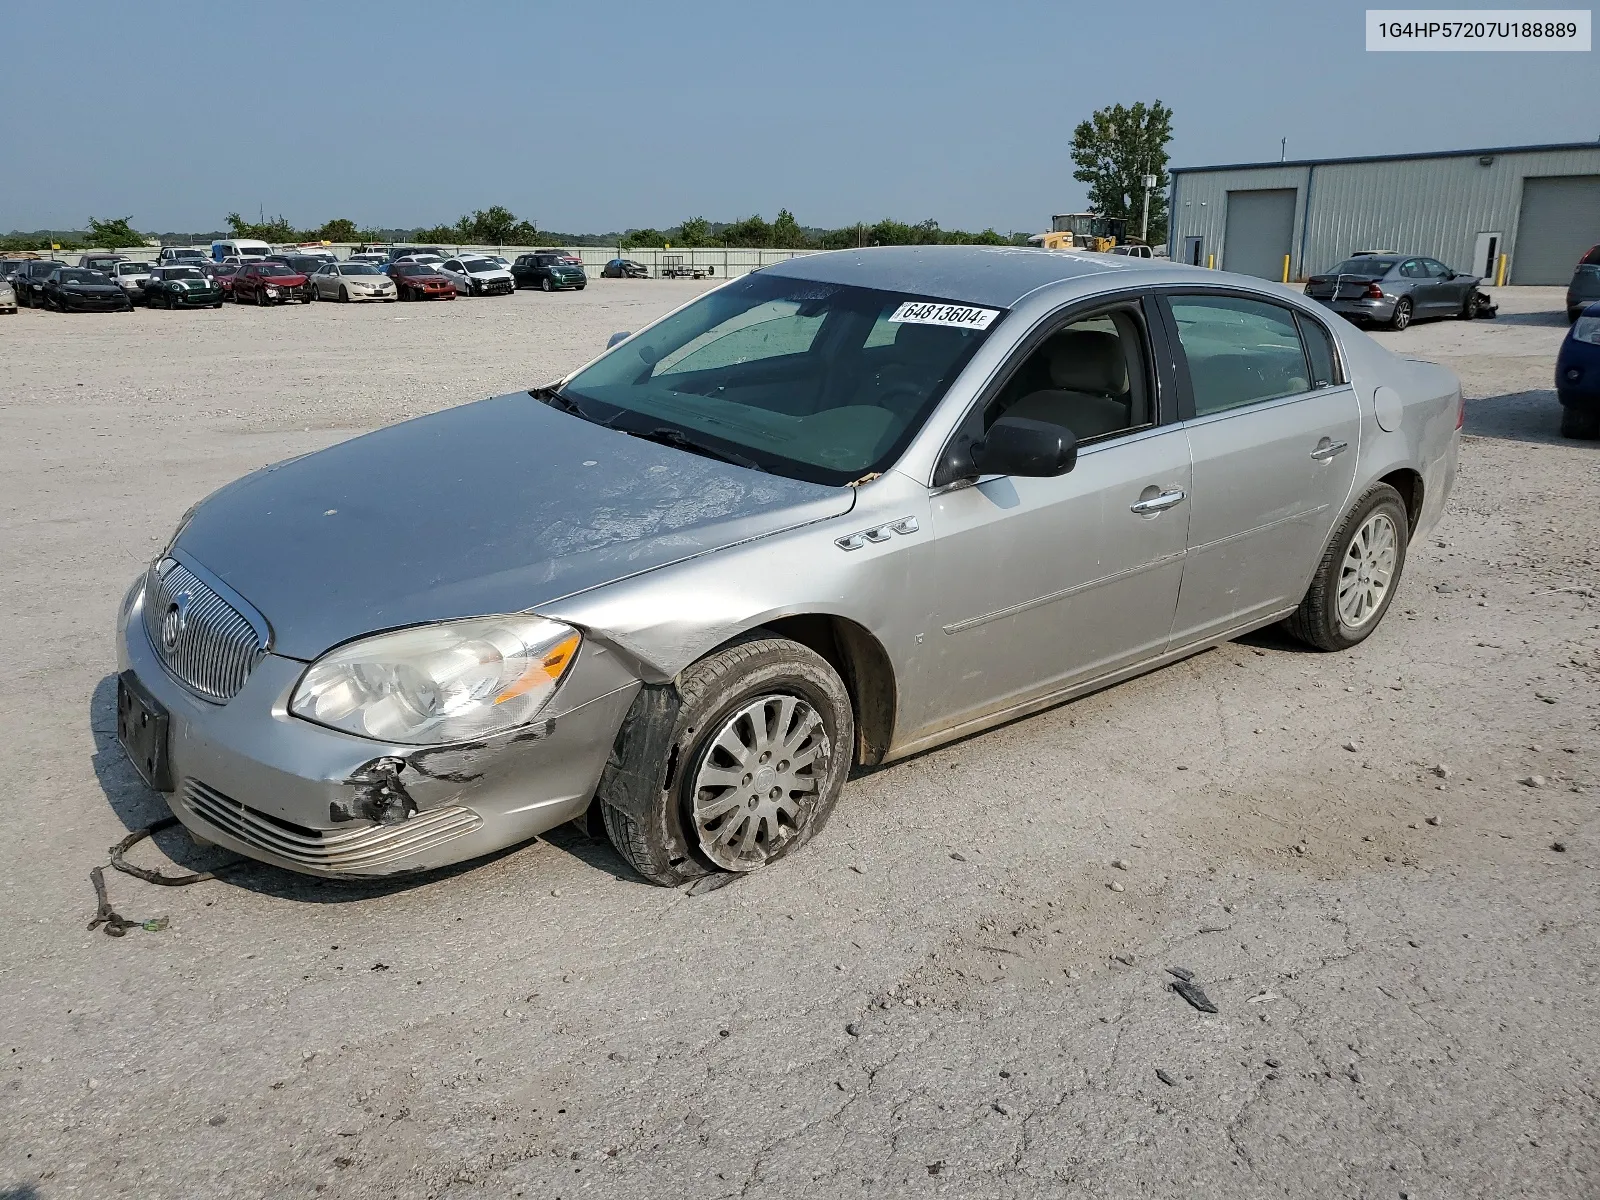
point(1319, 352)
point(1239, 351)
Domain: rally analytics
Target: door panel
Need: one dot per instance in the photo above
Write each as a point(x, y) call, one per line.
point(1262, 506)
point(1045, 582)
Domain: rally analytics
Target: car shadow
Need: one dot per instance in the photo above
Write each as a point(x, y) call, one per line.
point(1554, 319)
point(22, 1191)
point(138, 807)
point(1533, 416)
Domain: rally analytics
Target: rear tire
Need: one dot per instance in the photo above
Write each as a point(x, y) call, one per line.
point(765, 703)
point(1580, 423)
point(1344, 603)
point(1402, 314)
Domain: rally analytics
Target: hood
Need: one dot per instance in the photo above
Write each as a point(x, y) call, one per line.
point(498, 506)
point(492, 273)
point(289, 278)
point(92, 289)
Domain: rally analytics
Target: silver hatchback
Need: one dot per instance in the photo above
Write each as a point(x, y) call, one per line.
point(825, 516)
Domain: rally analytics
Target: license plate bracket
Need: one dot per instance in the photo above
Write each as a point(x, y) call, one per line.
point(142, 729)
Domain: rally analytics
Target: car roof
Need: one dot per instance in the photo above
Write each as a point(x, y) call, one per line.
point(993, 275)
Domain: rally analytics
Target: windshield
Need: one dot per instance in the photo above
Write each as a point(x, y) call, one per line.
point(409, 269)
point(133, 268)
point(190, 254)
point(84, 276)
point(359, 269)
point(813, 380)
point(478, 264)
point(182, 273)
point(1364, 266)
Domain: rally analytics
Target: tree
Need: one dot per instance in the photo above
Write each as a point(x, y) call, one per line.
point(489, 227)
point(276, 230)
point(1113, 149)
point(786, 232)
point(752, 231)
point(445, 234)
point(114, 233)
point(696, 231)
point(642, 237)
point(340, 229)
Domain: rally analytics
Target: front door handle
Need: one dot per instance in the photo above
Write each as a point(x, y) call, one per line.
point(1326, 449)
point(1157, 504)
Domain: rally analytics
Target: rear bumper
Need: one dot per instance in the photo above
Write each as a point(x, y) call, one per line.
point(248, 776)
point(1362, 309)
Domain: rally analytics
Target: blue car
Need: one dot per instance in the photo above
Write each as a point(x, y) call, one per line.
point(1578, 376)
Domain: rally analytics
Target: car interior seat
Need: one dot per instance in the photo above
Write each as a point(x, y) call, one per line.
point(1088, 392)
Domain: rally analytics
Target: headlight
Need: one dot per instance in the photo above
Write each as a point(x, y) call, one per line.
point(272, 291)
point(437, 684)
point(1587, 329)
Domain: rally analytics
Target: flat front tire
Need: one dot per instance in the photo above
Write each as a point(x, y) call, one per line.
point(1359, 573)
point(758, 752)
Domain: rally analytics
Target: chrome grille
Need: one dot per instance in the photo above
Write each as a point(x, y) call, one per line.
point(360, 849)
point(203, 639)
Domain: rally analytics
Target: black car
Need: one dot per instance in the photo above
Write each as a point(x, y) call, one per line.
point(78, 289)
point(625, 268)
point(182, 287)
point(549, 269)
point(28, 281)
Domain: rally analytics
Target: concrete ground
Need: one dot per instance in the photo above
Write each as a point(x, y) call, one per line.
point(1380, 865)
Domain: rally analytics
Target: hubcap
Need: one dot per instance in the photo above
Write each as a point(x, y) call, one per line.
point(758, 781)
point(1367, 570)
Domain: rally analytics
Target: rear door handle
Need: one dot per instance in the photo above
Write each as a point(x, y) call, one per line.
point(1157, 504)
point(1326, 449)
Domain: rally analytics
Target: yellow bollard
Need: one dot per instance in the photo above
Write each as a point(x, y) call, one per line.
point(1285, 268)
point(1500, 276)
point(1211, 262)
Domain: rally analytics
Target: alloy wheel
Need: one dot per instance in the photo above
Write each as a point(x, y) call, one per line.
point(1367, 570)
point(757, 781)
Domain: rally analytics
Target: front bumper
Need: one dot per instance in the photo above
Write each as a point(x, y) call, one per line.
point(195, 298)
point(252, 778)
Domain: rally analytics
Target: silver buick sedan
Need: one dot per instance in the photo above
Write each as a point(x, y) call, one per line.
point(828, 515)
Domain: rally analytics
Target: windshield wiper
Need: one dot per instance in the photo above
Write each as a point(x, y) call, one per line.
point(676, 437)
point(556, 398)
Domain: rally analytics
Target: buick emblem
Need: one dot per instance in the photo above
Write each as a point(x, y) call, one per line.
point(175, 621)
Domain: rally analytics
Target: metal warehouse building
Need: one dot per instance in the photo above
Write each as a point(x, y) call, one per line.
point(1513, 214)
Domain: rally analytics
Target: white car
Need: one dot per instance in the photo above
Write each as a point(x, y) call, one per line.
point(476, 276)
point(130, 277)
point(352, 281)
point(8, 297)
point(375, 258)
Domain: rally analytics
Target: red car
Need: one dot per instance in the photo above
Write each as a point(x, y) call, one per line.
point(419, 281)
point(267, 282)
point(223, 274)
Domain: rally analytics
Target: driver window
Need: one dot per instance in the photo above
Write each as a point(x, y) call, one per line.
point(1089, 377)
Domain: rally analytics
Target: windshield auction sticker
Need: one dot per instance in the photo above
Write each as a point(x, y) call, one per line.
point(961, 316)
point(1506, 29)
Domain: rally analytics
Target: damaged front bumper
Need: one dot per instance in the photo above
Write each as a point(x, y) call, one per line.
point(249, 776)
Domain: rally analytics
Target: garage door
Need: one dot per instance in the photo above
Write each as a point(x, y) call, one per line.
point(1259, 230)
point(1560, 220)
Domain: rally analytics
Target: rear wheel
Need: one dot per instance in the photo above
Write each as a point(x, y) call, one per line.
point(754, 763)
point(1402, 314)
point(1360, 570)
point(1581, 423)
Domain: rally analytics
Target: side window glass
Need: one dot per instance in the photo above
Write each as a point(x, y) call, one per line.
point(1089, 377)
point(1239, 351)
point(1319, 352)
point(1412, 269)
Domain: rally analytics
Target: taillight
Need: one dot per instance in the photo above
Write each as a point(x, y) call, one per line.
point(1374, 292)
point(1461, 409)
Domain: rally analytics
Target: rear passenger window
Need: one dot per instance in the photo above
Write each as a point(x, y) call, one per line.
point(1239, 351)
point(1319, 352)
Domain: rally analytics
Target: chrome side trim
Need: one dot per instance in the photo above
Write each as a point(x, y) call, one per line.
point(1304, 514)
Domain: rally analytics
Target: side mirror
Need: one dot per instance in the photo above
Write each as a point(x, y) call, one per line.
point(617, 337)
point(1019, 446)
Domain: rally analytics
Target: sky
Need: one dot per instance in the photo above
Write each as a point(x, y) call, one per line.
point(599, 115)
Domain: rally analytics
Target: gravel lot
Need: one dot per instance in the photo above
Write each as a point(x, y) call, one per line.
point(956, 991)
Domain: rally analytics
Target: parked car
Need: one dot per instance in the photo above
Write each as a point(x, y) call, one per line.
point(8, 296)
point(549, 270)
point(473, 276)
point(1585, 286)
point(431, 260)
point(28, 281)
point(837, 512)
point(376, 257)
point(100, 262)
point(1394, 289)
point(182, 286)
point(130, 276)
point(352, 281)
point(420, 281)
point(396, 253)
point(624, 268)
point(222, 275)
point(260, 281)
point(78, 289)
point(1578, 376)
point(181, 254)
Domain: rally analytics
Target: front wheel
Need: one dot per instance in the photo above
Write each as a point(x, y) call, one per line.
point(544, 284)
point(1402, 314)
point(1580, 423)
point(750, 770)
point(1469, 306)
point(344, 294)
point(1360, 570)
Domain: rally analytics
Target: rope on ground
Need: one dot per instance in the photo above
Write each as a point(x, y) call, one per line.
point(112, 922)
